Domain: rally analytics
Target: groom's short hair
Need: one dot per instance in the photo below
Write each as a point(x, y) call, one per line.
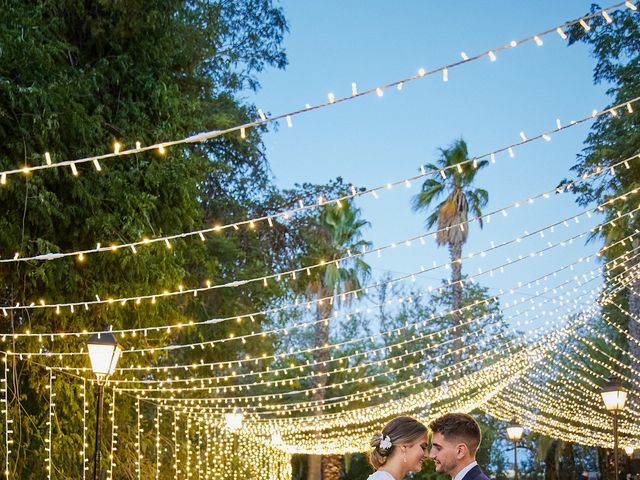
point(458, 427)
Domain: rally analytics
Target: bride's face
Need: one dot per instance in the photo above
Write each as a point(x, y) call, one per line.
point(416, 453)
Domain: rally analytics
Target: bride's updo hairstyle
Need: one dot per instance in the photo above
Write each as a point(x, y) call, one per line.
point(399, 431)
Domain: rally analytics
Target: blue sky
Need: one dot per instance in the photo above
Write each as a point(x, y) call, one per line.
point(370, 141)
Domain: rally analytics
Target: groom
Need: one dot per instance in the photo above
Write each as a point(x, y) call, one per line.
point(455, 438)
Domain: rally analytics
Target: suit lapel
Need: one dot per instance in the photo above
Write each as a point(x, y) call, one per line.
point(473, 473)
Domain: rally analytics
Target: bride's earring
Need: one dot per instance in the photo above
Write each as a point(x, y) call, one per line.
point(404, 456)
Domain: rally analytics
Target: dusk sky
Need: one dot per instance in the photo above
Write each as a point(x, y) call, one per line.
point(373, 140)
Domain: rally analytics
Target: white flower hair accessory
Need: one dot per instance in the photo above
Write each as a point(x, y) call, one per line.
point(385, 442)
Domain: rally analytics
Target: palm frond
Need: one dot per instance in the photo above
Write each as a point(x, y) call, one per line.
point(430, 191)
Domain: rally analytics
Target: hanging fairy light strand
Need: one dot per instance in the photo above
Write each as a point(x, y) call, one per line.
point(344, 400)
point(526, 285)
point(253, 223)
point(498, 350)
point(382, 362)
point(85, 406)
point(332, 100)
point(114, 435)
point(562, 408)
point(496, 369)
point(500, 371)
point(507, 263)
point(4, 391)
point(48, 440)
point(239, 362)
point(138, 443)
point(148, 369)
point(592, 388)
point(388, 333)
point(256, 359)
point(293, 273)
point(158, 438)
point(169, 390)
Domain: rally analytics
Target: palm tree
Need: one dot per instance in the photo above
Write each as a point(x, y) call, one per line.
point(451, 214)
point(337, 233)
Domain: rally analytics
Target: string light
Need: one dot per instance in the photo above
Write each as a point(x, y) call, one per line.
point(48, 443)
point(114, 435)
point(176, 457)
point(85, 406)
point(158, 444)
point(498, 268)
point(493, 379)
point(496, 372)
point(584, 25)
point(4, 390)
point(258, 399)
point(284, 214)
point(497, 381)
point(138, 443)
point(591, 420)
point(277, 276)
point(396, 345)
point(203, 136)
point(382, 334)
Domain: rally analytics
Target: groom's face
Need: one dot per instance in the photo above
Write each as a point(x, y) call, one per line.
point(445, 454)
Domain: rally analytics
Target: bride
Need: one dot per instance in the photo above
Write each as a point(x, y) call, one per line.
point(400, 448)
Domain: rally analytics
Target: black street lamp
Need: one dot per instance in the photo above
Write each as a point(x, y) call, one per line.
point(104, 353)
point(614, 396)
point(514, 432)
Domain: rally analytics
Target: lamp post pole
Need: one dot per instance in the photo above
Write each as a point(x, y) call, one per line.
point(615, 444)
point(515, 460)
point(96, 457)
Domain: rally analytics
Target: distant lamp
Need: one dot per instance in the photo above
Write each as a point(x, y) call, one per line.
point(234, 420)
point(104, 353)
point(614, 395)
point(514, 433)
point(629, 450)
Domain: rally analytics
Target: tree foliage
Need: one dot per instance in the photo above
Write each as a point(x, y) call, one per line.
point(74, 78)
point(611, 144)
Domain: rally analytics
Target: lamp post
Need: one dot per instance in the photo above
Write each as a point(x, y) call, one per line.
point(104, 353)
point(514, 432)
point(614, 396)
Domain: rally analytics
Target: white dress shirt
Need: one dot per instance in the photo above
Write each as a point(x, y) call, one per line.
point(465, 470)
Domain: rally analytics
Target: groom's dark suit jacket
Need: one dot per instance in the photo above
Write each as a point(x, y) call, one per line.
point(475, 474)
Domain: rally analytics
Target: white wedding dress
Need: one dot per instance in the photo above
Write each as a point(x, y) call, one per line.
point(381, 475)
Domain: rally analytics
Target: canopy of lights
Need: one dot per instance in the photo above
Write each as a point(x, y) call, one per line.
point(534, 362)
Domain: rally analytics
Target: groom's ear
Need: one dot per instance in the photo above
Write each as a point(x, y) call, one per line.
point(461, 451)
